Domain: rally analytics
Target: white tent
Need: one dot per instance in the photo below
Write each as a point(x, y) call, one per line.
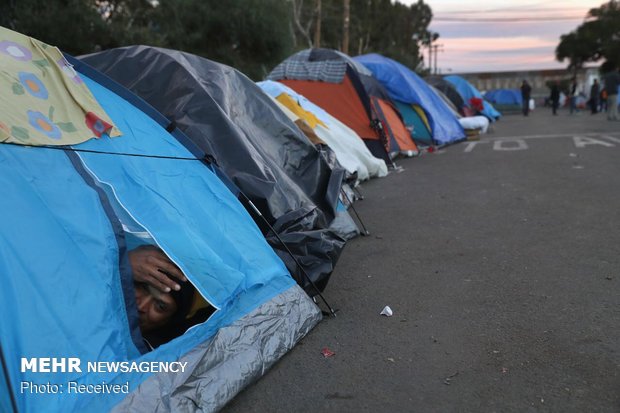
point(350, 149)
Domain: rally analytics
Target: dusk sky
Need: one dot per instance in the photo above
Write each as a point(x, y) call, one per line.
point(502, 35)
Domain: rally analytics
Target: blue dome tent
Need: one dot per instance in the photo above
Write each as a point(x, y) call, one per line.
point(505, 99)
point(409, 90)
point(63, 241)
point(468, 91)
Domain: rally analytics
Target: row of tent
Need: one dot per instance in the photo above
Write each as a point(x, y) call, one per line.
point(244, 186)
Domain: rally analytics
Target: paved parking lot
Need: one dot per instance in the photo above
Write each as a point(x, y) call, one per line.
point(500, 259)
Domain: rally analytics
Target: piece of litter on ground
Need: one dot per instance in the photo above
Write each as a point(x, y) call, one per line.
point(448, 380)
point(391, 359)
point(577, 167)
point(387, 311)
point(504, 370)
point(608, 277)
point(572, 155)
point(327, 352)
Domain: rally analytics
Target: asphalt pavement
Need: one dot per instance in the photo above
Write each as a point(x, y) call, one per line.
point(500, 259)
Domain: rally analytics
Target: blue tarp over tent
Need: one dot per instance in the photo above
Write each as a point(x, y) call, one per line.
point(60, 244)
point(405, 86)
point(504, 97)
point(468, 91)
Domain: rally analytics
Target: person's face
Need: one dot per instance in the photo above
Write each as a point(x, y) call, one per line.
point(155, 308)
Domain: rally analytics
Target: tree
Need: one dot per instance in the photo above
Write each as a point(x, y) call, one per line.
point(130, 21)
point(376, 26)
point(250, 35)
point(597, 38)
point(75, 26)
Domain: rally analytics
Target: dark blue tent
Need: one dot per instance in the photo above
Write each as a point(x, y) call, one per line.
point(507, 97)
point(404, 86)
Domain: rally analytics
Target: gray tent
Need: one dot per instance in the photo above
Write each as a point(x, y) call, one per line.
point(254, 143)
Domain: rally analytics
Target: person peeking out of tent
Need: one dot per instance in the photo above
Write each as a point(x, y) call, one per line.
point(167, 303)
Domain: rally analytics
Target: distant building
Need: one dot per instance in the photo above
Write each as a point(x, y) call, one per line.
point(536, 78)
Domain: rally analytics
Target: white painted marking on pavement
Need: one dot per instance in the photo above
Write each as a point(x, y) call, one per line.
point(471, 145)
point(555, 136)
point(510, 145)
point(583, 141)
point(611, 138)
point(516, 143)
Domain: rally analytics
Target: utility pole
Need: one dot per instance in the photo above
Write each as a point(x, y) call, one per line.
point(432, 38)
point(345, 27)
point(317, 30)
point(437, 50)
point(430, 59)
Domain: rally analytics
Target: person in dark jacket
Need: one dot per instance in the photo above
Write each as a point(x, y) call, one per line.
point(555, 97)
point(594, 93)
point(526, 91)
point(612, 82)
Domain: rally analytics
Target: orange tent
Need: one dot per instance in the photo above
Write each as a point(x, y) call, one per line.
point(348, 92)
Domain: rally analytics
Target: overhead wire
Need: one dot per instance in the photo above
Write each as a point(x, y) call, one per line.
point(508, 19)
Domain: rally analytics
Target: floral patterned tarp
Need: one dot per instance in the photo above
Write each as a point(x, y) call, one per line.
point(43, 100)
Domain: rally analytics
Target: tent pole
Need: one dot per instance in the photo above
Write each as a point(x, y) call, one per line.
point(212, 164)
point(8, 381)
point(376, 124)
point(303, 272)
point(365, 232)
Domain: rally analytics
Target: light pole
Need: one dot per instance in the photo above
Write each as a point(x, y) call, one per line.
point(433, 36)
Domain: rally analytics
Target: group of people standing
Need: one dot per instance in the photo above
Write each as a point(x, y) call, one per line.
point(603, 99)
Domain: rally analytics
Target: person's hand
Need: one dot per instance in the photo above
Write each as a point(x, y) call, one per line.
point(151, 266)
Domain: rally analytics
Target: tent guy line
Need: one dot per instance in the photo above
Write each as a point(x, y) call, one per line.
point(138, 155)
